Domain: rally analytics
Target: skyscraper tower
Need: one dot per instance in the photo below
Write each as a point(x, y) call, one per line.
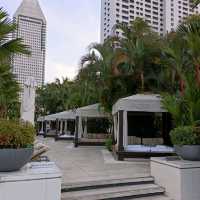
point(31, 27)
point(163, 16)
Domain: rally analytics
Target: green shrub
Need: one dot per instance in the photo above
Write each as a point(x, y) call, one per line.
point(108, 144)
point(15, 134)
point(184, 135)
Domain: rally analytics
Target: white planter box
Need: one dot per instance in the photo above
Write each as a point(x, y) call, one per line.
point(181, 179)
point(36, 181)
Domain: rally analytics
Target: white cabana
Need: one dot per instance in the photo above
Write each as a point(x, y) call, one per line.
point(91, 111)
point(82, 115)
point(70, 114)
point(61, 117)
point(140, 103)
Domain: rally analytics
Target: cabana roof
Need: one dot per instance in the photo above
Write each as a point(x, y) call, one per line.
point(70, 114)
point(93, 111)
point(140, 103)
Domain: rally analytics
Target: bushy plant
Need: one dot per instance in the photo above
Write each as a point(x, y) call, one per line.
point(108, 144)
point(185, 135)
point(15, 134)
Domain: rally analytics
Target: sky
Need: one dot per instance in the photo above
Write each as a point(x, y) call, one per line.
point(72, 25)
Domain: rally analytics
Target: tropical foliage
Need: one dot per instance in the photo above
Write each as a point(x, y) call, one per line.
point(185, 135)
point(14, 134)
point(196, 2)
point(141, 61)
point(9, 89)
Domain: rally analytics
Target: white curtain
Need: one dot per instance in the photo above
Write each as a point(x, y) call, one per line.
point(80, 127)
point(65, 130)
point(125, 129)
point(61, 126)
point(85, 128)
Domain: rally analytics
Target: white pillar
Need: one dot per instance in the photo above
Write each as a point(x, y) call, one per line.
point(61, 126)
point(85, 128)
point(117, 128)
point(65, 129)
point(125, 129)
point(42, 128)
point(80, 127)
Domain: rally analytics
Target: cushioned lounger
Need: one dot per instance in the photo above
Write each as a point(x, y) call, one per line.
point(149, 149)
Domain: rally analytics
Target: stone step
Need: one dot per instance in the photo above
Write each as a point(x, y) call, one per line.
point(158, 197)
point(106, 183)
point(120, 192)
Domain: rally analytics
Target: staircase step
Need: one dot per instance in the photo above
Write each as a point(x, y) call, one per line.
point(106, 183)
point(159, 197)
point(120, 192)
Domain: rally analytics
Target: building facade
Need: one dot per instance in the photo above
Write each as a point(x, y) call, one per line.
point(31, 27)
point(162, 15)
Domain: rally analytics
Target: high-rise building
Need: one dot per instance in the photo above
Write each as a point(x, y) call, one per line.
point(31, 27)
point(162, 15)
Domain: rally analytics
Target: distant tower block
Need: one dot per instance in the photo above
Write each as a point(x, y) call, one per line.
point(31, 27)
point(162, 15)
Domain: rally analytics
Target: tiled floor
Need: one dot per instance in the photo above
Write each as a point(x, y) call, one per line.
point(91, 163)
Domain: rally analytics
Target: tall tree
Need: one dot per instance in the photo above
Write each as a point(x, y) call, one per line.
point(178, 59)
point(101, 65)
point(196, 3)
point(138, 47)
point(190, 31)
point(9, 100)
point(9, 46)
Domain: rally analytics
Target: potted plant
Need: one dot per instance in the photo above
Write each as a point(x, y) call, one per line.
point(16, 144)
point(185, 111)
point(186, 142)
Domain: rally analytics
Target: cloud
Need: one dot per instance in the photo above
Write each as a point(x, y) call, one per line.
point(59, 70)
point(71, 27)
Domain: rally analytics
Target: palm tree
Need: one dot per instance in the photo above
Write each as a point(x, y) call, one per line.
point(177, 59)
point(9, 46)
point(190, 31)
point(185, 109)
point(138, 46)
point(8, 92)
point(100, 72)
point(196, 3)
point(8, 86)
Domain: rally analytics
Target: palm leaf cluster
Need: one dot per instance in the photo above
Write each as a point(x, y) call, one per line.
point(9, 89)
point(141, 61)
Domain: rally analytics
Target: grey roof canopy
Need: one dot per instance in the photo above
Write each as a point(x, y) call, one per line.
point(70, 114)
point(93, 111)
point(140, 103)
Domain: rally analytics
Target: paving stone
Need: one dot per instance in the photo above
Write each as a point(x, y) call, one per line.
point(89, 164)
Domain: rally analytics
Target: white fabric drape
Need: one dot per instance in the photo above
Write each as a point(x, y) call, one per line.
point(125, 129)
point(85, 128)
point(42, 128)
point(65, 129)
point(80, 127)
point(61, 126)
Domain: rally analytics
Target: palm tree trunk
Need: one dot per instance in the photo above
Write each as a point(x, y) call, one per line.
point(142, 80)
point(3, 112)
point(182, 86)
point(197, 74)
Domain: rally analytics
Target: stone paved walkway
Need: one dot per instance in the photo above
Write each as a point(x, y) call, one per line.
point(92, 163)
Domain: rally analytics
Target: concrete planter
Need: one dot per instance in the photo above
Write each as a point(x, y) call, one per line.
point(188, 152)
point(14, 159)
